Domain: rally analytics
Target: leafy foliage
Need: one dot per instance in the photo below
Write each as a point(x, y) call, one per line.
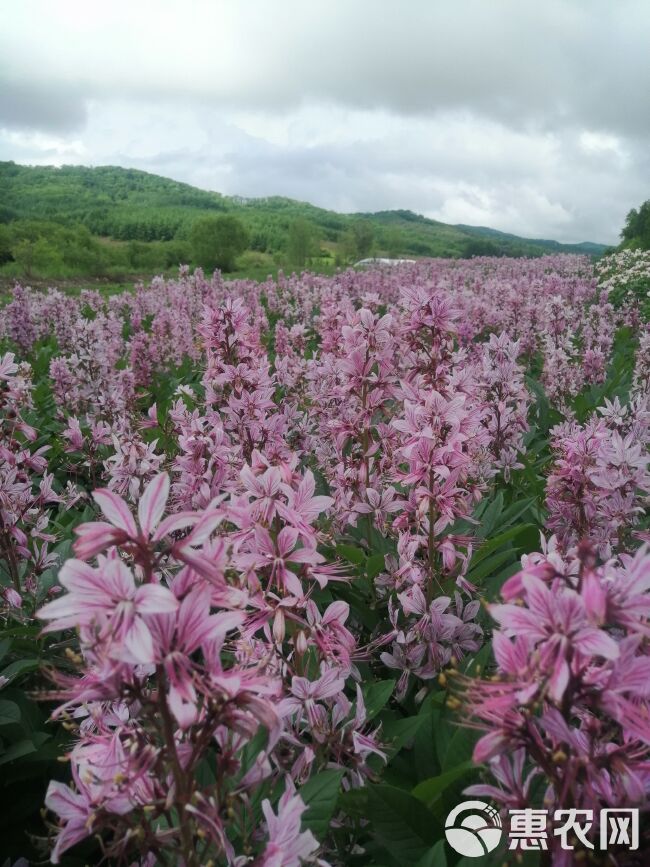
point(217, 241)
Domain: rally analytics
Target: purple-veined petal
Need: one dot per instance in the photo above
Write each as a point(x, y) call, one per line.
point(138, 641)
point(155, 599)
point(95, 537)
point(596, 642)
point(172, 523)
point(116, 510)
point(152, 503)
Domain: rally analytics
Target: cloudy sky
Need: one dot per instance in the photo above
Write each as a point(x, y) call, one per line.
point(531, 117)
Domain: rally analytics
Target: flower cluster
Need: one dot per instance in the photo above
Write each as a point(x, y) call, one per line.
point(27, 493)
point(156, 691)
point(600, 476)
point(506, 400)
point(568, 705)
point(624, 277)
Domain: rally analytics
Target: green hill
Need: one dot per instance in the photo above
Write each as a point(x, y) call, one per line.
point(587, 248)
point(135, 208)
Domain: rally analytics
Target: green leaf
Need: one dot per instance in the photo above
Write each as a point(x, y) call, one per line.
point(376, 564)
point(491, 564)
point(376, 695)
point(253, 750)
point(492, 544)
point(21, 666)
point(23, 632)
point(40, 738)
point(398, 732)
point(516, 510)
point(351, 554)
point(31, 718)
point(430, 790)
point(360, 607)
point(401, 823)
point(354, 802)
point(9, 713)
point(5, 646)
point(204, 774)
point(473, 665)
point(460, 748)
point(320, 793)
point(424, 744)
point(17, 751)
point(435, 857)
point(490, 516)
point(492, 585)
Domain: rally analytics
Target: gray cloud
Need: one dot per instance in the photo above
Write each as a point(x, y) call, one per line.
point(557, 62)
point(25, 105)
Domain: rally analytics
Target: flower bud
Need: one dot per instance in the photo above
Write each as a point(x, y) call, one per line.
point(279, 628)
point(301, 643)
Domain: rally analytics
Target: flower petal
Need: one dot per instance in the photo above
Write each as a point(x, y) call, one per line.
point(138, 641)
point(152, 503)
point(117, 511)
point(155, 599)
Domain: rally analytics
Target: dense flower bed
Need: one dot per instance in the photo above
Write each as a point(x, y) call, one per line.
point(247, 529)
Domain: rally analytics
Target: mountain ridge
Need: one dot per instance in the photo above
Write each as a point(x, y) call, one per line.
point(131, 204)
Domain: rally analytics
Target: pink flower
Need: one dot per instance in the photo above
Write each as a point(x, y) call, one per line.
point(277, 554)
point(333, 639)
point(264, 490)
point(557, 624)
point(305, 693)
point(177, 636)
point(7, 366)
point(288, 846)
point(121, 527)
point(108, 599)
point(75, 813)
point(571, 695)
point(122, 530)
point(302, 507)
point(380, 505)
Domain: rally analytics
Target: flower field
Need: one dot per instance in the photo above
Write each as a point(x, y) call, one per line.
point(289, 569)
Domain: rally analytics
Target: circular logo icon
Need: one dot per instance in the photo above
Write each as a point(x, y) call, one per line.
point(473, 828)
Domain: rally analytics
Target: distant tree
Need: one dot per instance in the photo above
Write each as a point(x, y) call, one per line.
point(394, 243)
point(259, 241)
point(363, 237)
point(217, 241)
point(142, 256)
point(7, 214)
point(348, 247)
point(176, 253)
point(301, 241)
point(38, 257)
point(636, 231)
point(480, 247)
point(357, 240)
point(5, 244)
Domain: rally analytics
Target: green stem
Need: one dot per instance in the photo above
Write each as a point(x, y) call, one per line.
point(177, 770)
point(431, 539)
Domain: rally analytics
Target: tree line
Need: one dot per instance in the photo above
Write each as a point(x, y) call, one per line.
point(44, 248)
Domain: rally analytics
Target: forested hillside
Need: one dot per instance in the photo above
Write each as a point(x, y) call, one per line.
point(110, 221)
